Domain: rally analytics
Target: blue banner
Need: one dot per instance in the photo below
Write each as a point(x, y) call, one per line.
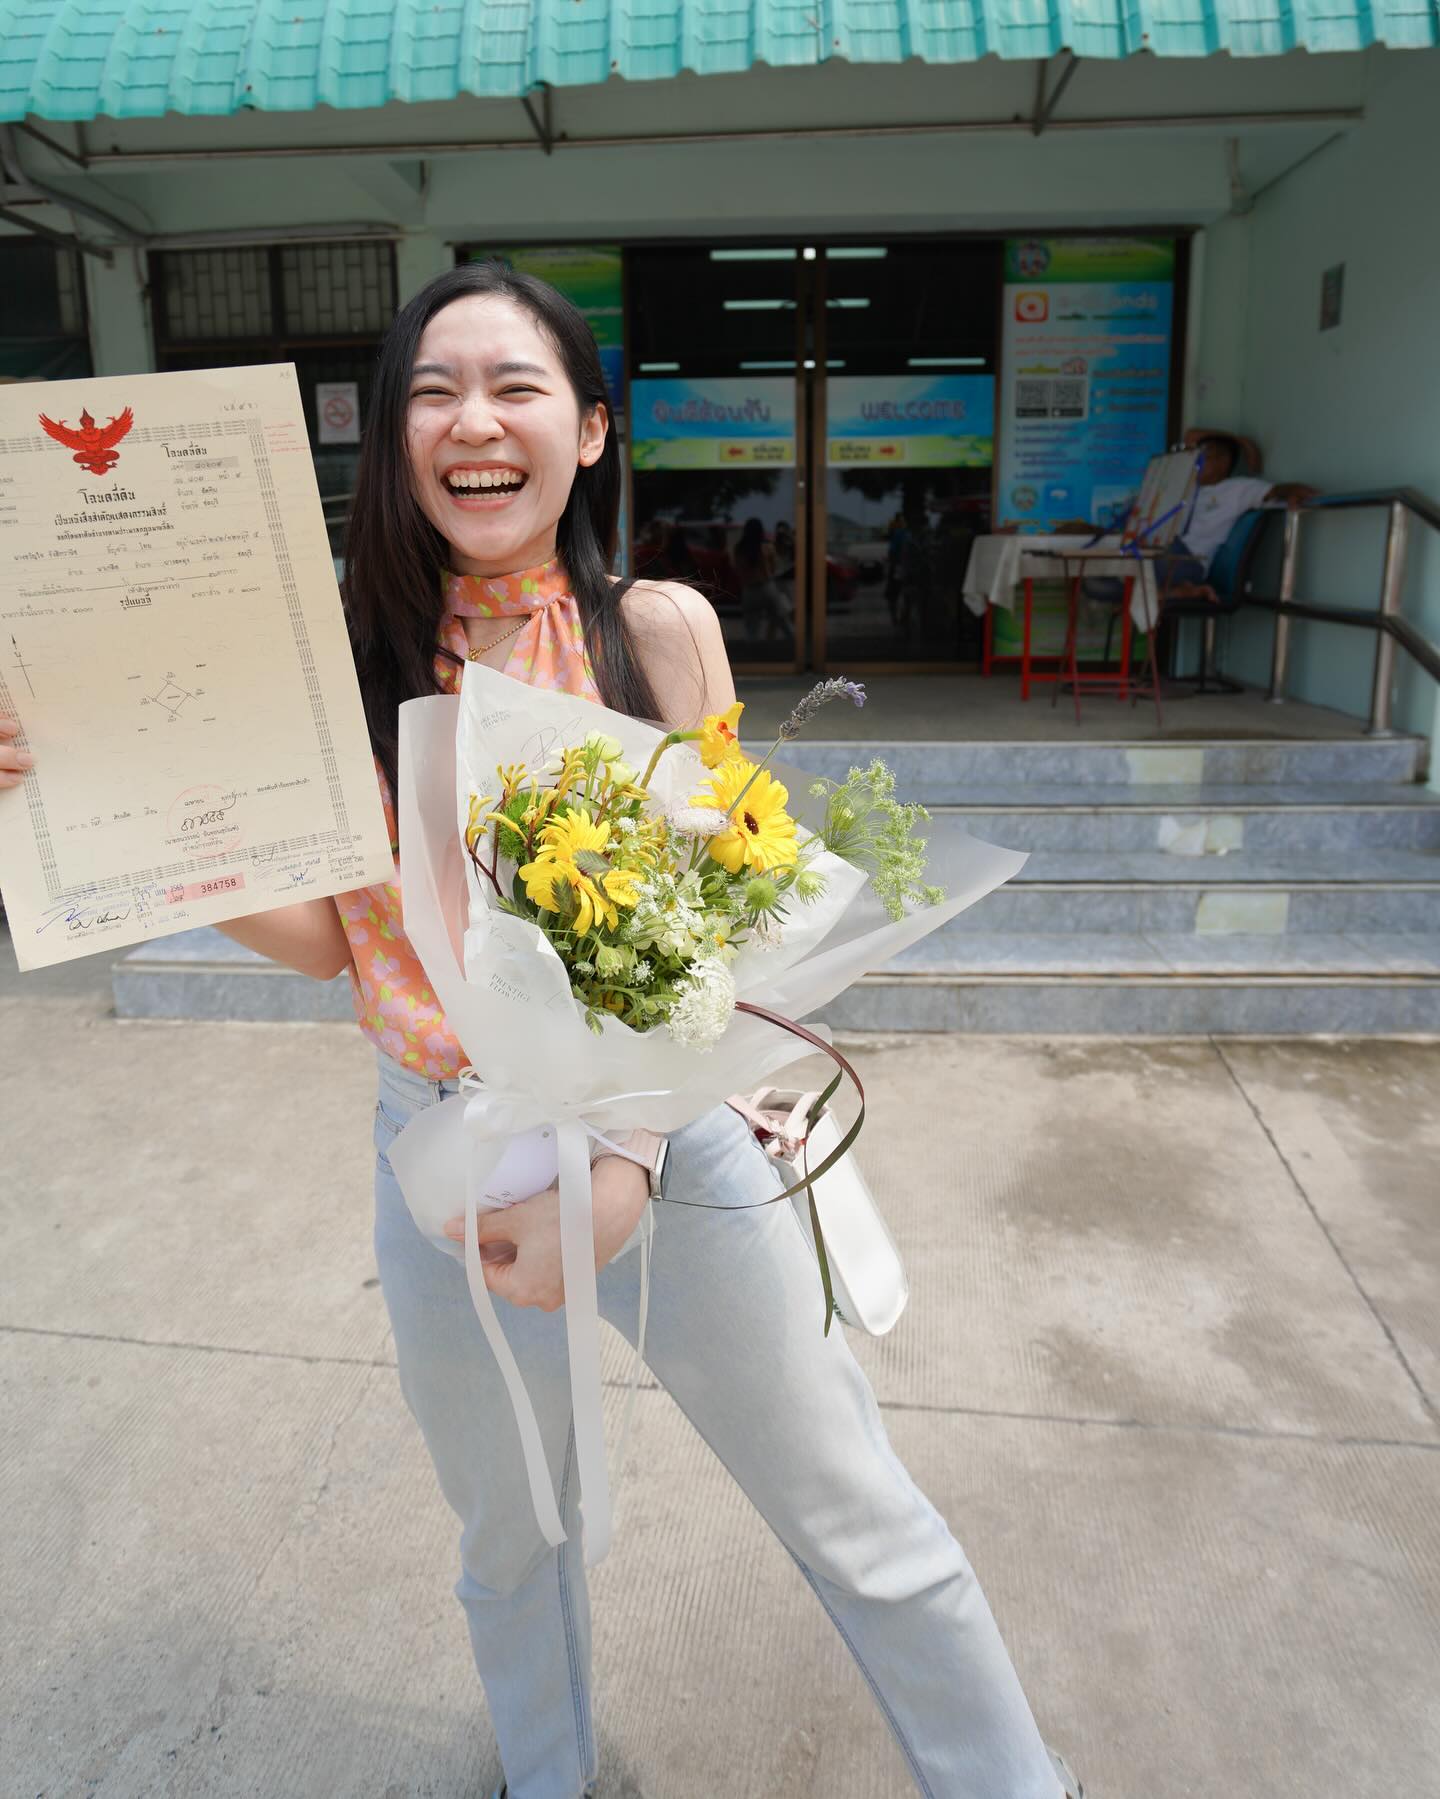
point(1085, 388)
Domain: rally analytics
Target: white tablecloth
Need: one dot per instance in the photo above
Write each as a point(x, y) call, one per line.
point(999, 564)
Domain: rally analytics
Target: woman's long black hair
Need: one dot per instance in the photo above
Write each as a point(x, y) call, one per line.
point(395, 557)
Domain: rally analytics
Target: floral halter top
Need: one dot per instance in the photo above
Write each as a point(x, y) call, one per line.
point(393, 1002)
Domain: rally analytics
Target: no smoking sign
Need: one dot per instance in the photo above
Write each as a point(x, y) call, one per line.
point(337, 412)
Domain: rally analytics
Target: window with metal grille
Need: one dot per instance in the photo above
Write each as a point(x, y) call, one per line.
point(216, 293)
point(341, 288)
point(273, 295)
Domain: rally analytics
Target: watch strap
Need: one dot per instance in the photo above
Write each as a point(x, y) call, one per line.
point(645, 1148)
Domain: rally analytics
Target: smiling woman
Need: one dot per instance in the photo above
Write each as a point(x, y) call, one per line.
point(484, 525)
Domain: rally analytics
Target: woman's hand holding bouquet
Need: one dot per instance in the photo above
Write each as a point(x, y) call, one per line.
point(520, 1244)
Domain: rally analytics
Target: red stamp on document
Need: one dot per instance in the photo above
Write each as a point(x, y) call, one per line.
point(198, 890)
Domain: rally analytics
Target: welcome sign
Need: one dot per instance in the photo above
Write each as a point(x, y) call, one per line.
point(712, 424)
point(943, 421)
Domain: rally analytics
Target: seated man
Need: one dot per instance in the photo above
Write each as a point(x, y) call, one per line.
point(1220, 499)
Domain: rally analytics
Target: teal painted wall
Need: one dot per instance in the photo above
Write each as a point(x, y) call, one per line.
point(1351, 408)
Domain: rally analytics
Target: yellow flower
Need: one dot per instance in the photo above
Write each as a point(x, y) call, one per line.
point(762, 832)
point(571, 771)
point(574, 850)
point(718, 739)
point(477, 821)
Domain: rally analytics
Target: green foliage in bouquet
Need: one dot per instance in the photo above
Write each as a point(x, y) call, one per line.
point(867, 826)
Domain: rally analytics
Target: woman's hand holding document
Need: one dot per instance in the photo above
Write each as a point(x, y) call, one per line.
point(174, 656)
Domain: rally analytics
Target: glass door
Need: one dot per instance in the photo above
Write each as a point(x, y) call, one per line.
point(902, 445)
point(811, 438)
point(717, 437)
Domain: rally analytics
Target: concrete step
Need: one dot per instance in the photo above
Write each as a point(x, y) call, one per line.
point(1322, 953)
point(1257, 908)
point(1148, 891)
point(205, 974)
point(1197, 821)
point(1124, 1005)
point(948, 774)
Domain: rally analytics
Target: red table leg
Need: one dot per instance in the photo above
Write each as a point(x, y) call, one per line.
point(1122, 691)
point(1025, 642)
point(1074, 643)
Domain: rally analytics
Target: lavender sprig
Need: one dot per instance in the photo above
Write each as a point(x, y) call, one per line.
point(837, 688)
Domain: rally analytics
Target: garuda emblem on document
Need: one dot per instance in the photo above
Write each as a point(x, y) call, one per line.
point(94, 445)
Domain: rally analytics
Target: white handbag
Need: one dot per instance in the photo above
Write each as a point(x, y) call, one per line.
point(866, 1273)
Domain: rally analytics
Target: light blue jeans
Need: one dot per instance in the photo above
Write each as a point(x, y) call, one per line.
point(734, 1334)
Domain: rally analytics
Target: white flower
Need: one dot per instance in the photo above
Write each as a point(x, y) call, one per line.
point(697, 821)
point(662, 919)
point(769, 932)
point(703, 1006)
point(604, 747)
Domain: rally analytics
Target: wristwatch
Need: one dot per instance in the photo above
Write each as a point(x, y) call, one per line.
point(647, 1149)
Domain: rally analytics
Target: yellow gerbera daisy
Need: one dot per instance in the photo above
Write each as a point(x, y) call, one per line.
point(719, 741)
point(762, 832)
point(577, 851)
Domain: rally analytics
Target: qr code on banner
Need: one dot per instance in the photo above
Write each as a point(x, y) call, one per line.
point(1067, 399)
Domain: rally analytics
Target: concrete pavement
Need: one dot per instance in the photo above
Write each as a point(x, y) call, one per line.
point(1171, 1370)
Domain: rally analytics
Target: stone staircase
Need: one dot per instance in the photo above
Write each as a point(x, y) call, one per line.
point(1252, 887)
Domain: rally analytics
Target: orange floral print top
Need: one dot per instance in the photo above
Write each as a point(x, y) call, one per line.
point(393, 1001)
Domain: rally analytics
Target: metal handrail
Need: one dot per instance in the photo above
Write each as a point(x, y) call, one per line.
point(1410, 497)
point(1390, 628)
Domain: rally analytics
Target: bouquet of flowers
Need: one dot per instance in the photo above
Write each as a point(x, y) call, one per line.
point(621, 924)
point(649, 903)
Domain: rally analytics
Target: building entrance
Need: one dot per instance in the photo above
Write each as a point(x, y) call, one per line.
point(811, 435)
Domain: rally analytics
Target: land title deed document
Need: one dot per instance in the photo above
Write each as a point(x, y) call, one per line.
point(173, 645)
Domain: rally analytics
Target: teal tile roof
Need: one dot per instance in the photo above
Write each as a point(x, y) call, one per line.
point(77, 59)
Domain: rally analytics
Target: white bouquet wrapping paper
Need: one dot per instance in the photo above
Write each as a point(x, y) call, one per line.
point(545, 1083)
